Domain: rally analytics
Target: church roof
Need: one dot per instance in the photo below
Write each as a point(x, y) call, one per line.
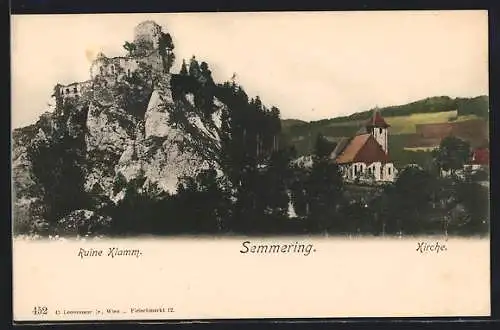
point(364, 149)
point(377, 120)
point(339, 147)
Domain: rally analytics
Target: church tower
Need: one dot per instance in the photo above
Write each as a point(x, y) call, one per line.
point(377, 127)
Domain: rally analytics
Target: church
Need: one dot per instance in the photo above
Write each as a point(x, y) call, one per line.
point(365, 156)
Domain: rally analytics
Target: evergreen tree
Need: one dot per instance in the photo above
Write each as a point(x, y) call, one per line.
point(183, 71)
point(299, 191)
point(275, 188)
point(194, 68)
point(206, 92)
point(166, 47)
point(322, 148)
point(204, 67)
point(257, 169)
point(324, 190)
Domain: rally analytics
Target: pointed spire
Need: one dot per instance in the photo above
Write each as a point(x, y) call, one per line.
point(377, 120)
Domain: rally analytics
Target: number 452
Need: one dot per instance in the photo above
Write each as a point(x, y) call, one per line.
point(40, 310)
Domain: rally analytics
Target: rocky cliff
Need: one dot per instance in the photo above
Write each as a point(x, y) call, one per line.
point(112, 136)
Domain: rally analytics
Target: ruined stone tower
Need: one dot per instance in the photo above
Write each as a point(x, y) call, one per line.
point(147, 34)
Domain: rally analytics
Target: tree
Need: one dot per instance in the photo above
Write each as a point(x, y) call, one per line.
point(57, 166)
point(322, 147)
point(204, 67)
point(201, 203)
point(410, 200)
point(452, 154)
point(183, 71)
point(475, 199)
point(205, 94)
point(324, 189)
point(130, 48)
point(277, 178)
point(298, 188)
point(166, 47)
point(276, 127)
point(194, 67)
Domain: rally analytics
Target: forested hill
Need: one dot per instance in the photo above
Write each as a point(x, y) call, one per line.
point(465, 106)
point(403, 120)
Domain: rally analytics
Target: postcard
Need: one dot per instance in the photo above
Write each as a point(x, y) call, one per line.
point(239, 165)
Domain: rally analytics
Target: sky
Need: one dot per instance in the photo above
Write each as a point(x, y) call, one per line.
point(311, 65)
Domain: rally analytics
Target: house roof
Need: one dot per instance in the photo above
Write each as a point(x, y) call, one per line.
point(481, 156)
point(362, 148)
point(377, 120)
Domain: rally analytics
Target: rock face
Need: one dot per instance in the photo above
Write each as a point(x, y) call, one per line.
point(110, 131)
point(157, 121)
point(27, 194)
point(171, 139)
point(165, 150)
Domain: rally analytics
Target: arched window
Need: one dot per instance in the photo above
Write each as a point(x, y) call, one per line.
point(389, 170)
point(67, 90)
point(380, 131)
point(75, 90)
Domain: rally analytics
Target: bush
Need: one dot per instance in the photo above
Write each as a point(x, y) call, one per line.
point(83, 222)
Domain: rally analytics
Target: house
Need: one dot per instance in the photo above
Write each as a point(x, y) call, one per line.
point(365, 156)
point(480, 159)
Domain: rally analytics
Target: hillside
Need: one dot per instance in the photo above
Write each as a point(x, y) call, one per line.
point(410, 123)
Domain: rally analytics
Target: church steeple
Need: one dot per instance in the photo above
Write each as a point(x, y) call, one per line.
point(378, 127)
point(377, 120)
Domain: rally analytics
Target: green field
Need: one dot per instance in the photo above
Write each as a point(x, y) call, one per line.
point(407, 124)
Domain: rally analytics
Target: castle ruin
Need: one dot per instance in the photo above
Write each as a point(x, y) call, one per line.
point(146, 49)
